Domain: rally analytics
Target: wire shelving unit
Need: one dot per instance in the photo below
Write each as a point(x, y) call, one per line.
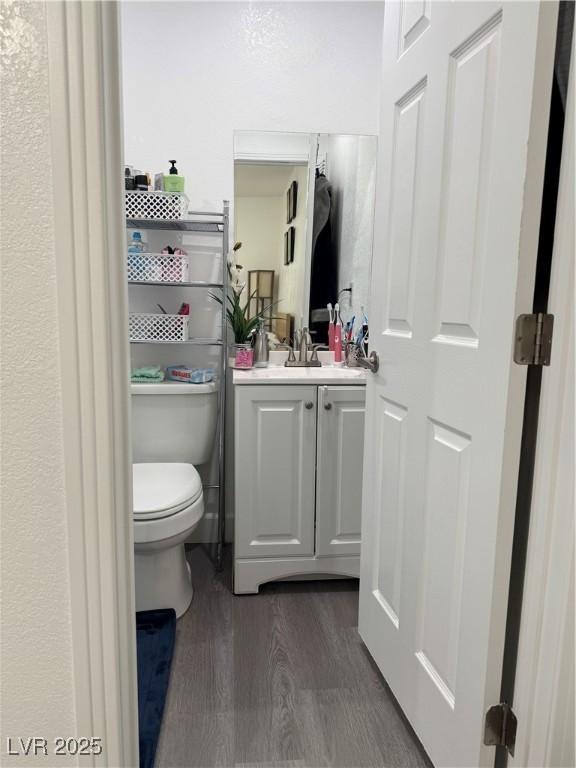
point(216, 223)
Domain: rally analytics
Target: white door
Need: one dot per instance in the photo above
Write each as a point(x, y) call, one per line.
point(275, 470)
point(455, 243)
point(339, 469)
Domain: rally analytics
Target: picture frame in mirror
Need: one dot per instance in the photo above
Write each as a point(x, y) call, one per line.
point(291, 202)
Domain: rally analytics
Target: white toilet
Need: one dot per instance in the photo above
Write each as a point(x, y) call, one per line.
point(173, 429)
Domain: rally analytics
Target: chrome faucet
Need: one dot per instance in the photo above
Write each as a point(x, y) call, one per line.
point(303, 342)
point(315, 348)
point(291, 355)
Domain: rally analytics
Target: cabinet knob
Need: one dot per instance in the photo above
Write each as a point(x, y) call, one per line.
point(328, 406)
point(309, 405)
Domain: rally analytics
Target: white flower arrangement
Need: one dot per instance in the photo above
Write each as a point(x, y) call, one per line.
point(235, 270)
point(241, 324)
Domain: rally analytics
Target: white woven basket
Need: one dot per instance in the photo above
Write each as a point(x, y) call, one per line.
point(156, 205)
point(158, 327)
point(158, 268)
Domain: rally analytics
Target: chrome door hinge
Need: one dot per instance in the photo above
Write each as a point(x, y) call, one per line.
point(533, 340)
point(500, 727)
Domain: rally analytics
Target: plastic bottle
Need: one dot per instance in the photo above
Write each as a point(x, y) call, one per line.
point(261, 353)
point(136, 244)
point(173, 182)
point(136, 264)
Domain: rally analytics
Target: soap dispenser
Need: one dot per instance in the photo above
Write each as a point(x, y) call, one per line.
point(261, 352)
point(173, 182)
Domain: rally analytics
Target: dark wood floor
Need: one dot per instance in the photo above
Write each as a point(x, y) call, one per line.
point(277, 679)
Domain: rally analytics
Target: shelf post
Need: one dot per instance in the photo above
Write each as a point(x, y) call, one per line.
point(222, 394)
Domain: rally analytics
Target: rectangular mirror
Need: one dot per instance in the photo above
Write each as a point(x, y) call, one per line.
point(304, 212)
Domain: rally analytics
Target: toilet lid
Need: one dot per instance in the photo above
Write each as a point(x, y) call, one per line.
point(160, 488)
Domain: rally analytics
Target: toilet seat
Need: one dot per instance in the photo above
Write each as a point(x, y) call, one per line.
point(159, 531)
point(168, 501)
point(163, 490)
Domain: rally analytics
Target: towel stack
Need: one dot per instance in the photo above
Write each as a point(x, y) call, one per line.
point(148, 374)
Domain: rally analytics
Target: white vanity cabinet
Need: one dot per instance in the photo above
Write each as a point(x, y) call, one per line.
point(275, 450)
point(339, 462)
point(298, 481)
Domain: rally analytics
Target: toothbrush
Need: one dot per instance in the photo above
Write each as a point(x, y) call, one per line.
point(330, 327)
point(337, 335)
point(364, 331)
point(351, 330)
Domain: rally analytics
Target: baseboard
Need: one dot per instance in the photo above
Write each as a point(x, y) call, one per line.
point(250, 574)
point(207, 530)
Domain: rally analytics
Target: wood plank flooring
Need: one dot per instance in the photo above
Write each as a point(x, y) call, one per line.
point(276, 680)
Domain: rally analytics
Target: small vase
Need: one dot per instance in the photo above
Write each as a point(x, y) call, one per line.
point(241, 356)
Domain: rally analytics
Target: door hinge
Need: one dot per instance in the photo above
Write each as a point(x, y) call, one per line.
point(500, 727)
point(533, 340)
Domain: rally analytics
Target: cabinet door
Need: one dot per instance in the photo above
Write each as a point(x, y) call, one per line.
point(275, 447)
point(339, 480)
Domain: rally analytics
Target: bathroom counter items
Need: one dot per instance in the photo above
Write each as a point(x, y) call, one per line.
point(279, 374)
point(155, 374)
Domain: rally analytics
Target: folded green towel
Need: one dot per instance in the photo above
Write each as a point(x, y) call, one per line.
point(147, 371)
point(147, 379)
point(148, 374)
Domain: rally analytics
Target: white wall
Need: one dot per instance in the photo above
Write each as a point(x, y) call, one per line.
point(260, 229)
point(292, 282)
point(37, 675)
point(260, 216)
point(351, 168)
point(194, 72)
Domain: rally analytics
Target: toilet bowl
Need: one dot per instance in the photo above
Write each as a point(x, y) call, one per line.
point(173, 428)
point(168, 505)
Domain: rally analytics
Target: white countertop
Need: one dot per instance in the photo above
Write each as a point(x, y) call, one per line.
point(279, 374)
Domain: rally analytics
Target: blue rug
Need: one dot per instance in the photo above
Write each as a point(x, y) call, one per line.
point(155, 636)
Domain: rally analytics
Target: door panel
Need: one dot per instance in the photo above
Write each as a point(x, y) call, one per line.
point(391, 439)
point(339, 474)
point(473, 80)
point(445, 517)
point(403, 235)
point(415, 21)
point(275, 450)
point(464, 104)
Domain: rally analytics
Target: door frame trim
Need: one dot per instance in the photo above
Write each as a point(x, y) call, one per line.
point(87, 154)
point(549, 577)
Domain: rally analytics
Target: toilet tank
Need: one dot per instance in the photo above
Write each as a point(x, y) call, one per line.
point(173, 422)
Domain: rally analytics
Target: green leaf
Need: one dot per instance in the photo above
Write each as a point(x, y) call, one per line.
point(240, 324)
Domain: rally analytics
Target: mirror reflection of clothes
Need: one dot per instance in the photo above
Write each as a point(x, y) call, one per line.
point(324, 268)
